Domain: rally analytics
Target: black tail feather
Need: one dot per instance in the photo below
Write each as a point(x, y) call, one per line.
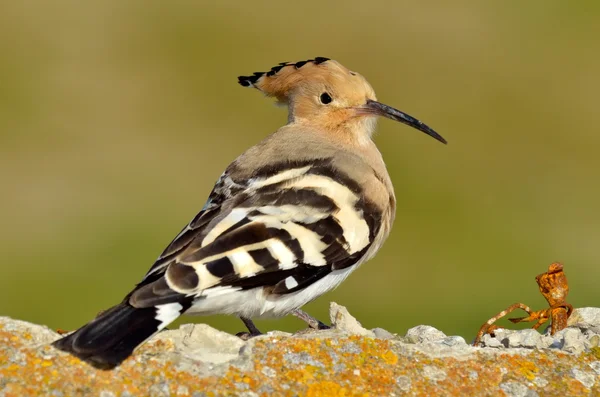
point(112, 336)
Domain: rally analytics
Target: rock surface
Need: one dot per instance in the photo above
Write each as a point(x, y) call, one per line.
point(348, 360)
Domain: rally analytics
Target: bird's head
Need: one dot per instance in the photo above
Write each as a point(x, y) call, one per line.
point(323, 93)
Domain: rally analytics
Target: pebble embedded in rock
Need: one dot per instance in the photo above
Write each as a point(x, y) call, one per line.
point(434, 373)
point(382, 333)
point(527, 338)
point(423, 334)
point(539, 381)
point(452, 341)
point(491, 341)
point(515, 389)
point(586, 315)
point(586, 378)
point(404, 383)
point(573, 340)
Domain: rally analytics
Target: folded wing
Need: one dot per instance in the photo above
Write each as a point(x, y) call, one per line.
point(283, 231)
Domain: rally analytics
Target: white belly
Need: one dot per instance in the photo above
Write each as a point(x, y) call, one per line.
point(255, 303)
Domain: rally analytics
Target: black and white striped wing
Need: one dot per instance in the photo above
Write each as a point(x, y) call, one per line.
point(285, 231)
point(225, 188)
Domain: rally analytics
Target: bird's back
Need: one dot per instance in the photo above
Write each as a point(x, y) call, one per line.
point(299, 144)
point(358, 167)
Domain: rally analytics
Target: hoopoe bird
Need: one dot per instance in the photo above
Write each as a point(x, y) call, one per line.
point(286, 222)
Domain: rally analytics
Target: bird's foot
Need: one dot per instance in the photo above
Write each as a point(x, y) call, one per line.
point(253, 331)
point(310, 320)
point(245, 336)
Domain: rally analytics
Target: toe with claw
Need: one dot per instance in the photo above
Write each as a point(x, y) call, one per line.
point(310, 320)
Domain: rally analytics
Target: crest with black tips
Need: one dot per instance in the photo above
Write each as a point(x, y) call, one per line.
point(250, 81)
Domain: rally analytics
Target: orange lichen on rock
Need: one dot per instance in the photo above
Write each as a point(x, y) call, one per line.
point(323, 363)
point(529, 370)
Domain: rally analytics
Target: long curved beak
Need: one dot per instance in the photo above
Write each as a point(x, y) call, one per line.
point(380, 109)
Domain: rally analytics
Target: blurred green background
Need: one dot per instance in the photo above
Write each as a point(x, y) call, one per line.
point(116, 118)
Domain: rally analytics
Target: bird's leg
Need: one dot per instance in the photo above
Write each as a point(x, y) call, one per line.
point(308, 319)
point(251, 327)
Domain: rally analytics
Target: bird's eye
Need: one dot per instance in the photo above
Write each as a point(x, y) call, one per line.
point(325, 98)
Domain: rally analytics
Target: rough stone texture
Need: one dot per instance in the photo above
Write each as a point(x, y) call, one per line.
point(197, 360)
point(582, 335)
